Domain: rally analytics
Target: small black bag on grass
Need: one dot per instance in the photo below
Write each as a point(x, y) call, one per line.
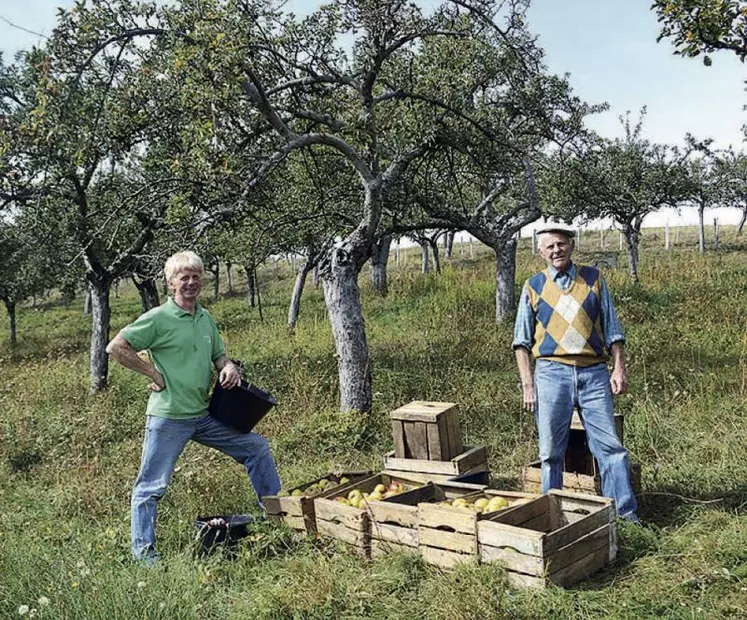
point(224, 530)
point(242, 407)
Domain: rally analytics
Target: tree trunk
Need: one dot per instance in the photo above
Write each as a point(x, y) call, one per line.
point(378, 264)
point(229, 277)
point(425, 268)
point(701, 229)
point(505, 279)
point(450, 244)
point(315, 276)
point(251, 282)
point(342, 297)
point(99, 289)
point(295, 302)
point(215, 270)
point(436, 258)
point(87, 303)
point(632, 239)
point(148, 293)
point(10, 306)
point(740, 226)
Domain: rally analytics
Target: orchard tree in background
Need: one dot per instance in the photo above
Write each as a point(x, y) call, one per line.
point(731, 167)
point(703, 26)
point(704, 187)
point(625, 179)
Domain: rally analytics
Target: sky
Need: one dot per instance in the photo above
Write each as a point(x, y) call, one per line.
point(608, 48)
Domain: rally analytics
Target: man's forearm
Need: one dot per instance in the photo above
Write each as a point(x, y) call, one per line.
point(121, 351)
point(220, 362)
point(524, 362)
point(618, 357)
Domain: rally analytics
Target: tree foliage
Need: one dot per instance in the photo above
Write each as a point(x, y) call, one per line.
point(703, 26)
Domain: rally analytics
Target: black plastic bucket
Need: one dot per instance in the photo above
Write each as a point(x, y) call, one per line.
point(223, 530)
point(242, 407)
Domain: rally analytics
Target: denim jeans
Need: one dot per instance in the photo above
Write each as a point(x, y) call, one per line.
point(164, 441)
point(558, 389)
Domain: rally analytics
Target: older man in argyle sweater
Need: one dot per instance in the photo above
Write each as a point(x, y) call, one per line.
point(566, 320)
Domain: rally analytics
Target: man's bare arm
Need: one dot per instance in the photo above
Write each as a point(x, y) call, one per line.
point(619, 377)
point(121, 351)
point(229, 376)
point(524, 362)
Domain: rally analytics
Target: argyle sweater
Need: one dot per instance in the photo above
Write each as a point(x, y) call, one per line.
point(568, 326)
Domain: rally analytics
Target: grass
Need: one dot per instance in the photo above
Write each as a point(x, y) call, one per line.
point(68, 461)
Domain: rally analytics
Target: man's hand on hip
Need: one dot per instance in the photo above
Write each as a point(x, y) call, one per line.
point(229, 376)
point(619, 381)
point(158, 383)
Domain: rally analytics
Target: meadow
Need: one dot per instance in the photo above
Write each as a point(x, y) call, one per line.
point(68, 460)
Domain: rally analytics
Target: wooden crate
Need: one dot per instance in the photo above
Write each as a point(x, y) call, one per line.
point(448, 536)
point(426, 431)
point(394, 522)
point(578, 457)
point(531, 480)
point(298, 512)
point(473, 458)
point(558, 538)
point(347, 523)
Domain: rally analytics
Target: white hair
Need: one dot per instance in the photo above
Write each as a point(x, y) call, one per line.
point(182, 261)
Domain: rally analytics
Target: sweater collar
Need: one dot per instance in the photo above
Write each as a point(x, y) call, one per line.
point(555, 273)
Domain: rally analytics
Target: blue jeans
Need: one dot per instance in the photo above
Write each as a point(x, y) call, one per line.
point(558, 389)
point(164, 441)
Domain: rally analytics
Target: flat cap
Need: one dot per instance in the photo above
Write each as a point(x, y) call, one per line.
point(556, 228)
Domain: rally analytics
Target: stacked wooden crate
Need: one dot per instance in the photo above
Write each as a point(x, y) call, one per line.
point(581, 471)
point(428, 443)
point(297, 511)
point(558, 538)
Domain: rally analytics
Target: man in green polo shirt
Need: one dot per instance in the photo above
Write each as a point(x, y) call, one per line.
point(184, 344)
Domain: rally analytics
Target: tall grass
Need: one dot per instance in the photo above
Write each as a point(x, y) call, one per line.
point(67, 460)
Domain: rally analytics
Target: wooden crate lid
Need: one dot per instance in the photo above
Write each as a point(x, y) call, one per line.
point(577, 425)
point(422, 411)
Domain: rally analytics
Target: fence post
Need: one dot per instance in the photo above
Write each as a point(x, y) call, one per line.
point(471, 248)
point(621, 241)
point(578, 239)
point(534, 241)
point(666, 236)
point(715, 233)
point(601, 239)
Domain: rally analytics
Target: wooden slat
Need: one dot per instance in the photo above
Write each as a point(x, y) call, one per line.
point(345, 534)
point(513, 560)
point(297, 523)
point(471, 457)
point(579, 548)
point(520, 580)
point(443, 439)
point(454, 433)
point(421, 411)
point(417, 439)
point(540, 523)
point(407, 536)
point(573, 531)
point(455, 519)
point(572, 501)
point(525, 512)
point(331, 510)
point(587, 565)
point(494, 534)
point(398, 434)
point(433, 432)
point(446, 559)
point(390, 512)
point(453, 541)
point(448, 468)
point(380, 548)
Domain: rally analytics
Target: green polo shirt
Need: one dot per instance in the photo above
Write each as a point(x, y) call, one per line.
point(183, 347)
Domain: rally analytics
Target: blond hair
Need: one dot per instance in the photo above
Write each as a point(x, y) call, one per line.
point(182, 261)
